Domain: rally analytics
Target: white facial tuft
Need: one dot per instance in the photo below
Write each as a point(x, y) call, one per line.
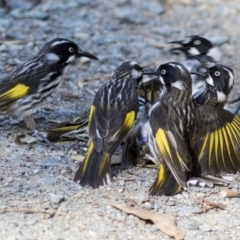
point(52, 58)
point(221, 96)
point(135, 73)
point(59, 42)
point(209, 80)
point(193, 51)
point(178, 84)
point(161, 80)
point(71, 59)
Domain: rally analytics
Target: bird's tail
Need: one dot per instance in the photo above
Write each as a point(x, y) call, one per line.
point(165, 183)
point(129, 155)
point(70, 132)
point(95, 169)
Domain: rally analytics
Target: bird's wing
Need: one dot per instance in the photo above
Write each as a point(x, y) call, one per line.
point(111, 117)
point(170, 142)
point(23, 81)
point(215, 140)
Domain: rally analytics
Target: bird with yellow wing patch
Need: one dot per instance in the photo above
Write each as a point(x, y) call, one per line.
point(186, 137)
point(171, 118)
point(25, 88)
point(112, 115)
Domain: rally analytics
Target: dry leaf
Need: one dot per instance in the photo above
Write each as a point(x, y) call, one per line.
point(163, 221)
point(213, 204)
point(229, 193)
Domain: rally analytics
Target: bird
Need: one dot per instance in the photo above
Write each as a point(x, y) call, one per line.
point(171, 117)
point(188, 138)
point(26, 87)
point(135, 145)
point(112, 114)
point(219, 81)
point(201, 47)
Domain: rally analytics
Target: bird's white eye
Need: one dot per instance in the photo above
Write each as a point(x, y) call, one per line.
point(197, 42)
point(163, 71)
point(70, 49)
point(217, 73)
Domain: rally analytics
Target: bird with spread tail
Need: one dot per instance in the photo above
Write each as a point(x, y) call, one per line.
point(25, 88)
point(186, 137)
point(112, 114)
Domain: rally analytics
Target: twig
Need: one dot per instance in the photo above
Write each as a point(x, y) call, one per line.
point(26, 210)
point(213, 204)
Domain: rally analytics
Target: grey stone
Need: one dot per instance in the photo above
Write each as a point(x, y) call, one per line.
point(56, 198)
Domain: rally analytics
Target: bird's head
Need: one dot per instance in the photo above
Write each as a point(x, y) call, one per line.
point(62, 51)
point(129, 69)
point(172, 74)
point(219, 76)
point(193, 45)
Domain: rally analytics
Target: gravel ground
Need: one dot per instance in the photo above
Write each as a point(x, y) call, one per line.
point(38, 199)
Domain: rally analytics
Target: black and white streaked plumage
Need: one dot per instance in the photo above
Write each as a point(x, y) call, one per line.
point(136, 143)
point(27, 86)
point(113, 112)
point(219, 80)
point(201, 47)
point(188, 138)
point(171, 118)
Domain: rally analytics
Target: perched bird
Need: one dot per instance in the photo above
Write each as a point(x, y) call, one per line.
point(201, 47)
point(171, 118)
point(112, 114)
point(219, 80)
point(188, 138)
point(27, 86)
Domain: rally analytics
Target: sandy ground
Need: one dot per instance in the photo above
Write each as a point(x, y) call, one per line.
point(38, 199)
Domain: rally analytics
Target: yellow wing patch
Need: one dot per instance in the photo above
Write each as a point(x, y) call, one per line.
point(163, 144)
point(68, 128)
point(223, 146)
point(129, 119)
point(92, 110)
point(18, 91)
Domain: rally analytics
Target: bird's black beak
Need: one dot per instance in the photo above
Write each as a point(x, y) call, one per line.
point(87, 55)
point(176, 42)
point(149, 71)
point(183, 49)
